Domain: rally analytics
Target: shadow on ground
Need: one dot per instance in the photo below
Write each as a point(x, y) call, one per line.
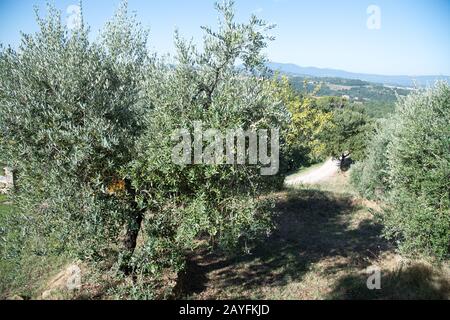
point(416, 282)
point(311, 226)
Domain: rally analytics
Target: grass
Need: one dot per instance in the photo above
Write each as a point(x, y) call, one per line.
point(338, 184)
point(4, 206)
point(325, 239)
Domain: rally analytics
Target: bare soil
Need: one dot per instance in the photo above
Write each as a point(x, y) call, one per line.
point(325, 241)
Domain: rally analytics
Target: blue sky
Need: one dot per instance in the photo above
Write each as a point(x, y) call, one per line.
point(413, 39)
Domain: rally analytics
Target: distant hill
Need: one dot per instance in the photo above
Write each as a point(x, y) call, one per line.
point(378, 99)
point(404, 81)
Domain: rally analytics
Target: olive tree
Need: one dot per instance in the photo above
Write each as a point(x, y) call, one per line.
point(346, 134)
point(418, 214)
point(216, 202)
point(408, 168)
point(69, 116)
point(370, 175)
point(88, 126)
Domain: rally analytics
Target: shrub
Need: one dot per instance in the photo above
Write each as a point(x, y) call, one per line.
point(370, 176)
point(419, 173)
point(408, 167)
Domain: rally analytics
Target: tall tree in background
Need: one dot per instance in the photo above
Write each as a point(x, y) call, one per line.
point(307, 121)
point(346, 135)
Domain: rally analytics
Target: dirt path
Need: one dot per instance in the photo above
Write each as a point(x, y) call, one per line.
point(323, 245)
point(324, 172)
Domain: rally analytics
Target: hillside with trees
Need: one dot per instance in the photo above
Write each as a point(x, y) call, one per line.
point(377, 99)
point(88, 128)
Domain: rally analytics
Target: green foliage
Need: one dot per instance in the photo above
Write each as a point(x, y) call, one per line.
point(408, 166)
point(419, 171)
point(216, 202)
point(89, 126)
point(346, 134)
point(308, 118)
point(331, 103)
point(370, 177)
point(379, 109)
point(377, 100)
point(69, 116)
